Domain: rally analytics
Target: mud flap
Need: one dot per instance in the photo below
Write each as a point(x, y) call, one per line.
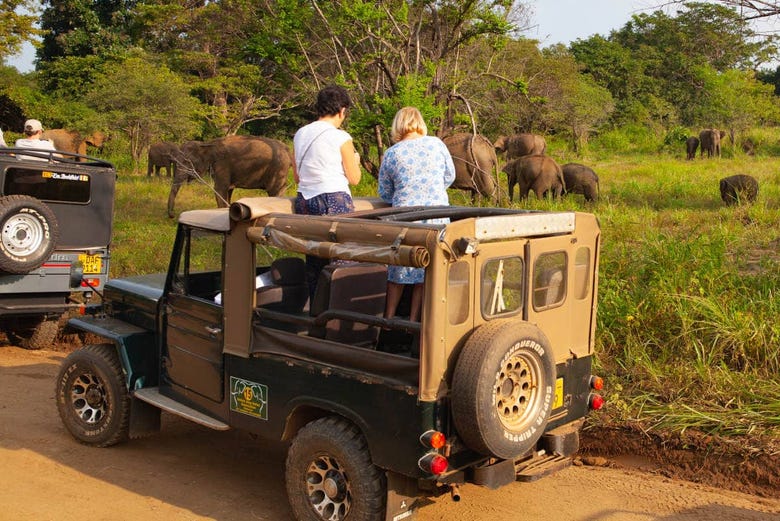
point(402, 497)
point(144, 419)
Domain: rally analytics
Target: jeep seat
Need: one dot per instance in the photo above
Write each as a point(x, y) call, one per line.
point(357, 287)
point(288, 291)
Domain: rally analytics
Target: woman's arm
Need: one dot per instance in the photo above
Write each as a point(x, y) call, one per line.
point(385, 185)
point(351, 162)
point(295, 170)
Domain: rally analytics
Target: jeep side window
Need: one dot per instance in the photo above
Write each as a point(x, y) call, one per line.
point(582, 273)
point(502, 286)
point(48, 186)
point(549, 288)
point(199, 270)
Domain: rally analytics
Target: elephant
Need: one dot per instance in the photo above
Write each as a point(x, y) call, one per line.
point(691, 144)
point(538, 173)
point(233, 162)
point(519, 145)
point(748, 147)
point(580, 179)
point(97, 139)
point(72, 141)
point(709, 138)
point(475, 162)
point(738, 188)
point(162, 155)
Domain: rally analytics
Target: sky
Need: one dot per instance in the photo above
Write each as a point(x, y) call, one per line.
point(563, 21)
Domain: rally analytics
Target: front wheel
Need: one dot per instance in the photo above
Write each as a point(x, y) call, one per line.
point(330, 475)
point(92, 396)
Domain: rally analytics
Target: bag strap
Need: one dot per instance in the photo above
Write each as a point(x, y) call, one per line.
point(308, 147)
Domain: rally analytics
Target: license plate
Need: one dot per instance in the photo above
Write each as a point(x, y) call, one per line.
point(558, 393)
point(92, 263)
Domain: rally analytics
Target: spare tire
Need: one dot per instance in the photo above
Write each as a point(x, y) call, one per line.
point(28, 233)
point(503, 388)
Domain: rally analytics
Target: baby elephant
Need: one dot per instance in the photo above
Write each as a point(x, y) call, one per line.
point(738, 188)
point(538, 173)
point(580, 179)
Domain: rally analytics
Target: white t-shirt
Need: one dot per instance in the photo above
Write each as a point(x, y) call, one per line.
point(2, 140)
point(318, 159)
point(39, 144)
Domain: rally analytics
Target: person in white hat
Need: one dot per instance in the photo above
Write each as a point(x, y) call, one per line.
point(33, 130)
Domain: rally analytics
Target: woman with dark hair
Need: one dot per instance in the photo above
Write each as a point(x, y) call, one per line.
point(326, 164)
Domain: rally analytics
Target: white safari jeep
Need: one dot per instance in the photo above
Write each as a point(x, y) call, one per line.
point(491, 386)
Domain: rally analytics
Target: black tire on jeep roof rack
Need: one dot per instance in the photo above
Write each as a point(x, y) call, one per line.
point(28, 233)
point(503, 388)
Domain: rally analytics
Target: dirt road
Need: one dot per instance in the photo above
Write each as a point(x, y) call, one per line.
point(188, 472)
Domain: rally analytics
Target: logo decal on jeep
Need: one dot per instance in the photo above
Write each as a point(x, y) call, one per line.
point(248, 398)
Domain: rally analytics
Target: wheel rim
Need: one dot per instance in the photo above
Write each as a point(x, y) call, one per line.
point(22, 235)
point(88, 398)
point(517, 391)
point(328, 487)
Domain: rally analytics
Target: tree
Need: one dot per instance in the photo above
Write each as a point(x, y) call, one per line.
point(84, 28)
point(735, 100)
point(16, 25)
point(371, 46)
point(651, 62)
point(79, 36)
point(207, 42)
point(749, 9)
point(144, 101)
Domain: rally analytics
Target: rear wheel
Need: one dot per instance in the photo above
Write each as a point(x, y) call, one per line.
point(28, 233)
point(502, 388)
point(330, 475)
point(32, 332)
point(92, 396)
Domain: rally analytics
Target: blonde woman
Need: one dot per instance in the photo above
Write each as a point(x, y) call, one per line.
point(415, 171)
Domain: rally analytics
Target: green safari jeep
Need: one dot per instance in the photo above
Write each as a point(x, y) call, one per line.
point(491, 386)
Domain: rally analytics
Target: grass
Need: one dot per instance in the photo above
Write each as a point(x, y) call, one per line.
point(688, 330)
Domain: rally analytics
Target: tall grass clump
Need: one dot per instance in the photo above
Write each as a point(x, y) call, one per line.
point(688, 313)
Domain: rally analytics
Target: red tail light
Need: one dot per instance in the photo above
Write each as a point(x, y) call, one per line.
point(596, 382)
point(433, 464)
point(433, 439)
point(90, 283)
point(595, 402)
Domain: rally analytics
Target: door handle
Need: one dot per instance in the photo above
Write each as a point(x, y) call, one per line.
point(213, 330)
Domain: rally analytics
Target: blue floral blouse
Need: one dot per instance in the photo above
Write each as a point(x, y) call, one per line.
point(415, 172)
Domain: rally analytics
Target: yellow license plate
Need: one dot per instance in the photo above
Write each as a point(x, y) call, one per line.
point(92, 263)
point(558, 393)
